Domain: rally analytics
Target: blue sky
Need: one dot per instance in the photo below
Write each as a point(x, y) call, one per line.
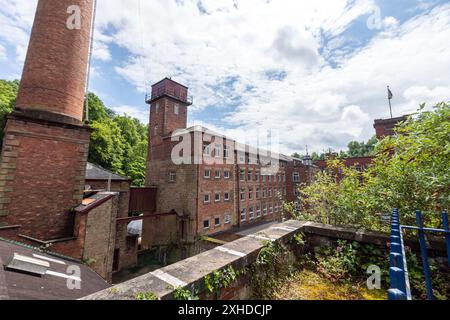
point(314, 71)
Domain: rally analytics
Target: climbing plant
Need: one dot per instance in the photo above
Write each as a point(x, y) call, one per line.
point(220, 279)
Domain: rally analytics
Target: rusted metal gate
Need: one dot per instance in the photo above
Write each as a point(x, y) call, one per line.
point(143, 200)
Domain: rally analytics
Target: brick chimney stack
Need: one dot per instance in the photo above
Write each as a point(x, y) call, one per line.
point(45, 147)
point(54, 76)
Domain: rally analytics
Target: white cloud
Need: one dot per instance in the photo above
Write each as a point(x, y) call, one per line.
point(133, 112)
point(223, 49)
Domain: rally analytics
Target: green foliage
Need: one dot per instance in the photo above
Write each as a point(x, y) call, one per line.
point(362, 149)
point(118, 143)
point(8, 93)
point(184, 294)
point(440, 280)
point(220, 279)
point(146, 296)
point(271, 268)
point(348, 261)
point(410, 171)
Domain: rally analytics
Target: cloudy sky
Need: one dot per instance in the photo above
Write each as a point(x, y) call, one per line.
point(313, 72)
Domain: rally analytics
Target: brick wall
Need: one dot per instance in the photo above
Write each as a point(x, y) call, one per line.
point(43, 168)
point(385, 127)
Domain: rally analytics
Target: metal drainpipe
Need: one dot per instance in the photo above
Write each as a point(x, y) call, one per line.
point(238, 199)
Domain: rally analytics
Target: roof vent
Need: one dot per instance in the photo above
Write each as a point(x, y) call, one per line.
point(28, 265)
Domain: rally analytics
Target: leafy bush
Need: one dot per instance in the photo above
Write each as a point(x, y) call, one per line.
point(184, 294)
point(146, 296)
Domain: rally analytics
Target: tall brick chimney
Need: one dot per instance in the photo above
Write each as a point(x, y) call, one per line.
point(45, 148)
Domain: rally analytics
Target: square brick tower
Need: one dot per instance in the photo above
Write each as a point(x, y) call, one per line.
point(386, 127)
point(44, 153)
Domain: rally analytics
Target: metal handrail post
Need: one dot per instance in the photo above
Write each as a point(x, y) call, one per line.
point(424, 253)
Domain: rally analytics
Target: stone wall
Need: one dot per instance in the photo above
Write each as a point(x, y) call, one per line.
point(191, 273)
point(100, 237)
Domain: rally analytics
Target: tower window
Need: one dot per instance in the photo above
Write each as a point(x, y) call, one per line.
point(176, 109)
point(157, 108)
point(156, 130)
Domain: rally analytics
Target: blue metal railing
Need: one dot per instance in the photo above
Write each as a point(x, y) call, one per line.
point(398, 271)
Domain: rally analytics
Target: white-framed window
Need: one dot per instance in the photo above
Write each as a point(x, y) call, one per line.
point(207, 174)
point(241, 158)
point(226, 174)
point(258, 194)
point(217, 222)
point(227, 219)
point(296, 177)
point(217, 197)
point(251, 213)
point(226, 152)
point(218, 174)
point(258, 211)
point(242, 175)
point(206, 198)
point(265, 210)
point(271, 210)
point(206, 224)
point(176, 109)
point(172, 176)
point(249, 175)
point(270, 192)
point(250, 193)
point(244, 214)
point(218, 151)
point(264, 193)
point(242, 195)
point(206, 150)
point(226, 196)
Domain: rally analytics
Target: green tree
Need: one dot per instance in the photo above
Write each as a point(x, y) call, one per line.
point(8, 94)
point(362, 149)
point(410, 172)
point(118, 143)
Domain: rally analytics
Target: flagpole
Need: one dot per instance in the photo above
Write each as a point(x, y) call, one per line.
point(389, 98)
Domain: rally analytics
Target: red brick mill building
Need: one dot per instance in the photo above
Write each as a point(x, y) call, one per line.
point(51, 198)
point(219, 183)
